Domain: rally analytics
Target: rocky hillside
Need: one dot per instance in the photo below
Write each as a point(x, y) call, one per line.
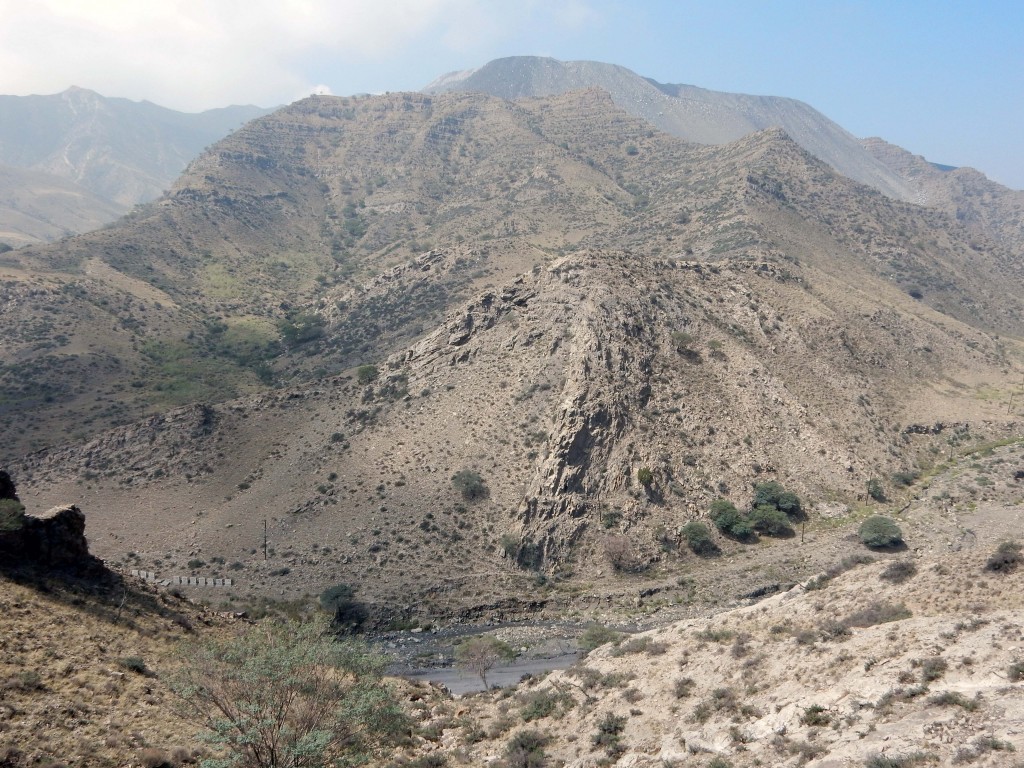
point(554, 392)
point(299, 246)
point(988, 209)
point(686, 111)
point(40, 207)
point(911, 655)
point(123, 151)
point(910, 662)
point(116, 153)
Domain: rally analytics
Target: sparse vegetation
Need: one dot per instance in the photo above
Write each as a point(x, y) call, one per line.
point(877, 612)
point(1006, 559)
point(273, 696)
point(609, 734)
point(597, 635)
point(898, 571)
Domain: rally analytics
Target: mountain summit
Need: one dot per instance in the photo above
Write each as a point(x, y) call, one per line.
point(691, 113)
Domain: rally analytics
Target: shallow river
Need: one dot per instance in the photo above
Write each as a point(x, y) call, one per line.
point(458, 682)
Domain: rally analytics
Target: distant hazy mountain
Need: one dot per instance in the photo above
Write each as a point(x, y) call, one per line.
point(694, 114)
point(982, 205)
point(122, 152)
point(36, 206)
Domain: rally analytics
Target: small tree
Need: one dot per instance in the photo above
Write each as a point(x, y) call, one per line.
point(698, 539)
point(770, 520)
point(730, 520)
point(481, 654)
point(286, 696)
point(366, 374)
point(875, 490)
point(470, 485)
point(347, 613)
point(879, 531)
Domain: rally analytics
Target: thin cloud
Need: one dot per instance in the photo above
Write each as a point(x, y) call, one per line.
point(196, 54)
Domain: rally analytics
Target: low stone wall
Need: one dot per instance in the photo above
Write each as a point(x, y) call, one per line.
point(183, 581)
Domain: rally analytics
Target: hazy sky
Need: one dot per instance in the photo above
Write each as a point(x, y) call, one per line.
point(940, 78)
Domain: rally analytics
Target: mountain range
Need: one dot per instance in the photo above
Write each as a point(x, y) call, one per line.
point(91, 158)
point(550, 351)
point(359, 301)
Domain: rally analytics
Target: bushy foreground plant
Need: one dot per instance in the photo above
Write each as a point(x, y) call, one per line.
point(288, 696)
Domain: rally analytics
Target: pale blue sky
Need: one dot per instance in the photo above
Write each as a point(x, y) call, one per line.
point(941, 79)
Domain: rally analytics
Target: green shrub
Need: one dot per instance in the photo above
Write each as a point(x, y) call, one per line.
point(773, 494)
point(598, 635)
point(816, 715)
point(609, 733)
point(287, 695)
point(932, 668)
point(470, 485)
point(645, 476)
point(879, 531)
point(770, 520)
point(526, 750)
point(541, 704)
point(366, 374)
point(875, 490)
point(904, 478)
point(1006, 559)
point(729, 520)
point(898, 571)
point(953, 699)
point(698, 539)
point(1016, 672)
point(683, 687)
point(899, 761)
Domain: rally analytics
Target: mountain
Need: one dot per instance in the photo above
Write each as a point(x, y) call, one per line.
point(694, 114)
point(985, 207)
point(40, 207)
point(120, 151)
point(484, 318)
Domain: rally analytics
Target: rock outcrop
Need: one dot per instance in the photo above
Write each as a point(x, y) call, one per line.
point(53, 540)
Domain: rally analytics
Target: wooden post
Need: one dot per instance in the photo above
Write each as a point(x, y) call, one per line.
point(264, 538)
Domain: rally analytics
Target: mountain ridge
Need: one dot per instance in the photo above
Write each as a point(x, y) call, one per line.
point(692, 113)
